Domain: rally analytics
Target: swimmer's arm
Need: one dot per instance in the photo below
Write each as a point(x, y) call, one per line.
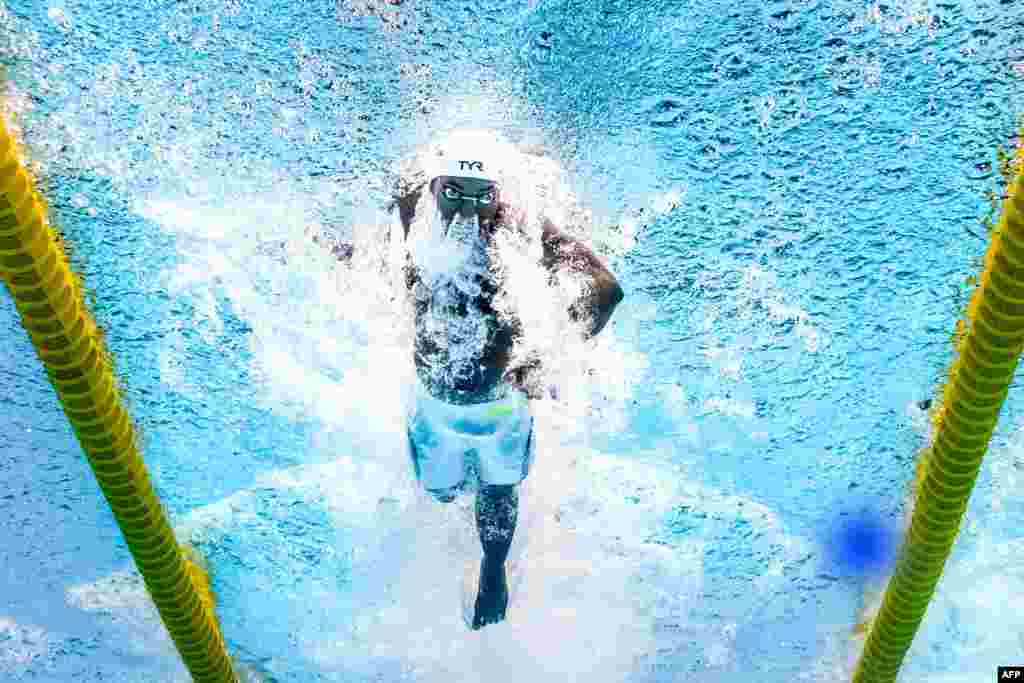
point(406, 205)
point(597, 306)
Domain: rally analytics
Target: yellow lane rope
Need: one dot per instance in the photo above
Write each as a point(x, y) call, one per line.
point(988, 347)
point(48, 297)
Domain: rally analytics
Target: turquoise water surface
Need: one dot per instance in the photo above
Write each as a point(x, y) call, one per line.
point(791, 194)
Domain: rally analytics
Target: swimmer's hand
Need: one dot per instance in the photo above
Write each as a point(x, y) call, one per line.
point(527, 377)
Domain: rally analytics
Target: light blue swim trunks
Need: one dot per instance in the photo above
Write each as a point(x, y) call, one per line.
point(455, 445)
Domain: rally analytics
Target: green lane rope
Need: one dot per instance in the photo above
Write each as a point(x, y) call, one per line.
point(67, 340)
point(988, 347)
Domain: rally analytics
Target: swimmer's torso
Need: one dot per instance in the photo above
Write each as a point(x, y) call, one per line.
point(461, 345)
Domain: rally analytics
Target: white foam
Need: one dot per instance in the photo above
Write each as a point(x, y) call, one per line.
point(134, 622)
point(595, 591)
point(20, 645)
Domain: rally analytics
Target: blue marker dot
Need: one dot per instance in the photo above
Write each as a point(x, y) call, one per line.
point(862, 543)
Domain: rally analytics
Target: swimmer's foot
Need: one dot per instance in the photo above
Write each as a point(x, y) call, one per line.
point(492, 599)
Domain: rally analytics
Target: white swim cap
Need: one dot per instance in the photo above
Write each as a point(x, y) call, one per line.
point(471, 153)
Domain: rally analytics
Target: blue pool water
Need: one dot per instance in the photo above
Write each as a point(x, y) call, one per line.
point(791, 194)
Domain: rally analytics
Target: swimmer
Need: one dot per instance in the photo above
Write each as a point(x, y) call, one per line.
point(472, 409)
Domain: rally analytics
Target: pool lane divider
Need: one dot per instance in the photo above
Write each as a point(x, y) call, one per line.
point(988, 343)
point(67, 340)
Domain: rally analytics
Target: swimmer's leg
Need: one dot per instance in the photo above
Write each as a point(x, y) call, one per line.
point(497, 508)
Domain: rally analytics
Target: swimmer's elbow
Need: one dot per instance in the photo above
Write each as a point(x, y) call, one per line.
point(608, 295)
point(617, 295)
point(611, 291)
